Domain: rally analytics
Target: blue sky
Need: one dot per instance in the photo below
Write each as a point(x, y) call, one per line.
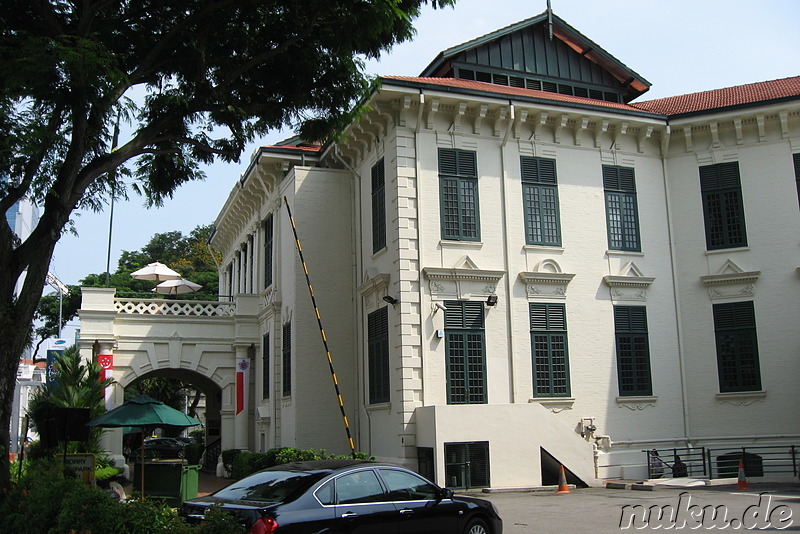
point(680, 46)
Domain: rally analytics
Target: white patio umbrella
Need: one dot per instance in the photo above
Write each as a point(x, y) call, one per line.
point(176, 286)
point(155, 271)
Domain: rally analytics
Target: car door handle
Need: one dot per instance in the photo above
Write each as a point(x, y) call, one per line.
point(406, 511)
point(349, 515)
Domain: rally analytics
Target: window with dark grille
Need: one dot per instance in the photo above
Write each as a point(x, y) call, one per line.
point(549, 349)
point(633, 351)
point(466, 464)
point(466, 355)
point(268, 241)
point(378, 355)
point(622, 215)
point(378, 207)
point(540, 201)
point(265, 374)
point(723, 210)
point(796, 158)
point(737, 347)
point(425, 463)
point(286, 363)
point(458, 173)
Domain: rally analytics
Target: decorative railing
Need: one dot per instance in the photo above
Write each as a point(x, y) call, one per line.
point(193, 308)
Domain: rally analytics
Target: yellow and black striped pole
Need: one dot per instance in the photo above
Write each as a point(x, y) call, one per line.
point(321, 331)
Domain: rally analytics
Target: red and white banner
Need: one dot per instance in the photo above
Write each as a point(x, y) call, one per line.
point(106, 363)
point(242, 379)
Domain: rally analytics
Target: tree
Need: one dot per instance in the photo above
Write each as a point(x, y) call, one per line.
point(78, 386)
point(189, 255)
point(195, 79)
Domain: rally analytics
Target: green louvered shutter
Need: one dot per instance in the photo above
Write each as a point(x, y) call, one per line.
point(549, 349)
point(466, 356)
point(720, 186)
point(737, 347)
point(633, 351)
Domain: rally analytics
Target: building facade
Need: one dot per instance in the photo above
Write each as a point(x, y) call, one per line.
point(519, 267)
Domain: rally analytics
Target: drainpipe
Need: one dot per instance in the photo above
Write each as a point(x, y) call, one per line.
point(358, 267)
point(506, 256)
point(675, 292)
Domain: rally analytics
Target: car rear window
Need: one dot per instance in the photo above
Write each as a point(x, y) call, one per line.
point(270, 486)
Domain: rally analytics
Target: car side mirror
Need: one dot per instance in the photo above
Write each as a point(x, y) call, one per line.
point(445, 493)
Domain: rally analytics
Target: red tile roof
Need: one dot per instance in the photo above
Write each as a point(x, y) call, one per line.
point(509, 91)
point(761, 92)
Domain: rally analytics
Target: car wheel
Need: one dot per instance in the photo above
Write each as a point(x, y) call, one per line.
point(181, 453)
point(476, 526)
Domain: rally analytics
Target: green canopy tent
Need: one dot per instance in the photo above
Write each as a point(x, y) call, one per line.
point(146, 413)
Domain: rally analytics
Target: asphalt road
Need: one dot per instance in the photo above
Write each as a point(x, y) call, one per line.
point(763, 507)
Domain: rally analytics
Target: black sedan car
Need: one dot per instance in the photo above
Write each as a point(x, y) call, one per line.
point(347, 497)
point(164, 448)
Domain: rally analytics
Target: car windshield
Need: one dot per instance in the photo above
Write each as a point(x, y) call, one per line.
point(270, 486)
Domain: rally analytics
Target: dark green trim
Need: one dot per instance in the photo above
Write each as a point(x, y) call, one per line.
point(465, 350)
point(286, 360)
point(378, 175)
point(737, 347)
point(378, 355)
point(622, 210)
point(265, 367)
point(549, 350)
point(633, 351)
point(723, 206)
point(459, 205)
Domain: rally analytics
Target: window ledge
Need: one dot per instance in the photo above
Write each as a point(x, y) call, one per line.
point(543, 248)
point(727, 250)
point(379, 253)
point(624, 253)
point(554, 404)
point(379, 407)
point(741, 398)
point(453, 244)
point(637, 402)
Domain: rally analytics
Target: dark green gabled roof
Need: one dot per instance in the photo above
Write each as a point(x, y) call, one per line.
point(527, 41)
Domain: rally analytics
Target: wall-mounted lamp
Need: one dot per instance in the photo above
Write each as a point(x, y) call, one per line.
point(391, 300)
point(492, 300)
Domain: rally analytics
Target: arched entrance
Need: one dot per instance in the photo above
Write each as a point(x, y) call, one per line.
point(196, 394)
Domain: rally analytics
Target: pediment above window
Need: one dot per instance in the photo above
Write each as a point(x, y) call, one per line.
point(730, 281)
point(374, 287)
point(630, 285)
point(547, 281)
point(462, 281)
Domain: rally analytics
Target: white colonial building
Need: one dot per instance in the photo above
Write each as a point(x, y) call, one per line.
point(516, 266)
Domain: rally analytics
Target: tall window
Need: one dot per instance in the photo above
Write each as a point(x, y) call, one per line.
point(549, 348)
point(458, 177)
point(378, 207)
point(622, 217)
point(265, 374)
point(268, 240)
point(378, 354)
point(796, 158)
point(466, 358)
point(722, 206)
point(737, 347)
point(286, 364)
point(633, 351)
point(540, 201)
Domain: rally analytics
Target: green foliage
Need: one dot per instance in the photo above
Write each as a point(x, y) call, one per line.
point(194, 452)
point(47, 501)
point(78, 386)
point(228, 457)
point(106, 473)
point(188, 255)
point(245, 463)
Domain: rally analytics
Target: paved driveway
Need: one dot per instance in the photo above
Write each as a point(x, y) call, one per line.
point(764, 507)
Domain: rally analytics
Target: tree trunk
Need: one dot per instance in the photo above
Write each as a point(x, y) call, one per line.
point(13, 339)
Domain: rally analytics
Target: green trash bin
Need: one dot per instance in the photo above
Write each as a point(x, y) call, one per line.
point(189, 482)
point(169, 480)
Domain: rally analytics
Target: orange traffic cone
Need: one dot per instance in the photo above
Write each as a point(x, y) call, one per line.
point(742, 483)
point(562, 482)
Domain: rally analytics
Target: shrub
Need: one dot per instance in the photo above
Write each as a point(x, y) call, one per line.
point(246, 463)
point(194, 452)
point(228, 456)
point(47, 501)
